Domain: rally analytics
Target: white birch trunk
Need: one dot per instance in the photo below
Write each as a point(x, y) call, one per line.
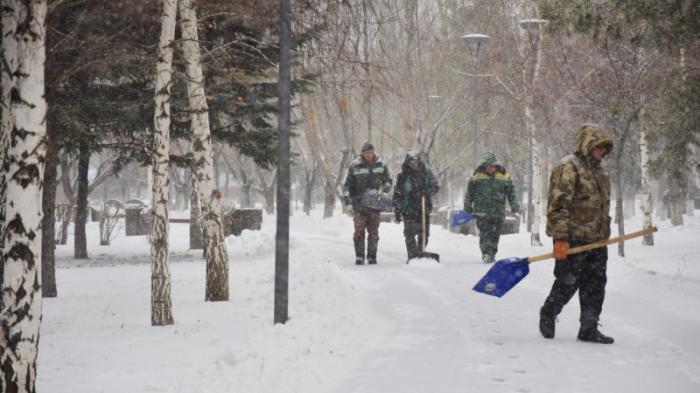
point(8, 66)
point(20, 314)
point(690, 203)
point(534, 39)
point(647, 200)
point(161, 304)
point(693, 181)
point(536, 177)
point(210, 199)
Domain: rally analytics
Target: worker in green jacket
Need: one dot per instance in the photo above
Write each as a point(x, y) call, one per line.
point(487, 191)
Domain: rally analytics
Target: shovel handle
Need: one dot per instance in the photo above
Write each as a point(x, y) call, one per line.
point(599, 244)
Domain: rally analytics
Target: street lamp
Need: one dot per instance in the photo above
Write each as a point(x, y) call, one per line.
point(531, 26)
point(474, 43)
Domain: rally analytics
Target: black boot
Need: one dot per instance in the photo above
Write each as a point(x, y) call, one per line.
point(372, 251)
point(593, 335)
point(546, 324)
point(360, 252)
point(411, 247)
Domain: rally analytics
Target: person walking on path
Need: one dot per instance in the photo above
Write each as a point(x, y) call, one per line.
point(487, 191)
point(367, 172)
point(578, 207)
point(415, 183)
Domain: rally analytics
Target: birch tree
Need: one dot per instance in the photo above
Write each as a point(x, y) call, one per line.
point(529, 44)
point(161, 304)
point(210, 198)
point(24, 34)
point(9, 66)
point(647, 201)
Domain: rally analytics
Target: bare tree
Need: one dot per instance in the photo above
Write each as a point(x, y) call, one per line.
point(109, 220)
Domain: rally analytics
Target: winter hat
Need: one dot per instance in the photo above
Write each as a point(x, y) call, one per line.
point(367, 146)
point(490, 159)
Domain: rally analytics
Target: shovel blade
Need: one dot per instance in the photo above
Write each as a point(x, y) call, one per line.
point(460, 218)
point(425, 254)
point(503, 275)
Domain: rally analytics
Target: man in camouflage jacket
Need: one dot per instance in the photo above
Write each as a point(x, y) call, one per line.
point(414, 183)
point(578, 208)
point(367, 172)
point(486, 195)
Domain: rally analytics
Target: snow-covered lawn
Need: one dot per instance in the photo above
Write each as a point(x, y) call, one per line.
point(386, 328)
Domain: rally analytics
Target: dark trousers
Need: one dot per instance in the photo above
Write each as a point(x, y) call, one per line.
point(413, 232)
point(366, 222)
point(585, 272)
point(489, 234)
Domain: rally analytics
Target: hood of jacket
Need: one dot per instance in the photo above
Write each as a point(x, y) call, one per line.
point(412, 156)
point(490, 159)
point(589, 136)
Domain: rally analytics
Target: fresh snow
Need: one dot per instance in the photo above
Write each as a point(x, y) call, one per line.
point(392, 327)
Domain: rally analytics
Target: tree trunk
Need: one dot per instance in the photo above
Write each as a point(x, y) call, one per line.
point(215, 248)
point(676, 207)
point(80, 238)
point(309, 188)
point(647, 201)
point(536, 175)
point(308, 191)
point(245, 194)
point(693, 176)
point(48, 225)
point(196, 236)
point(161, 304)
point(619, 203)
point(270, 199)
point(329, 198)
point(20, 311)
point(8, 68)
point(628, 211)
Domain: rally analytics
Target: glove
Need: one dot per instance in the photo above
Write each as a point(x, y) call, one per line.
point(397, 216)
point(561, 248)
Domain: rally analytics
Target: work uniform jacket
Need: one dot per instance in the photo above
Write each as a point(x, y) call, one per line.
point(578, 203)
point(488, 193)
point(363, 176)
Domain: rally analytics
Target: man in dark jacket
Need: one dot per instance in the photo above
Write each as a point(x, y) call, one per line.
point(578, 207)
point(414, 183)
point(486, 195)
point(367, 172)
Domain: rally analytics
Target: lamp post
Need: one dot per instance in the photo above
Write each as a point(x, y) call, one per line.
point(533, 29)
point(474, 43)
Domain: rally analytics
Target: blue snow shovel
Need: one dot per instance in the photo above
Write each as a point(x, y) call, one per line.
point(507, 273)
point(460, 218)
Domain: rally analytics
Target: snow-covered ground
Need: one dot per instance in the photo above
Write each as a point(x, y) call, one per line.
point(386, 328)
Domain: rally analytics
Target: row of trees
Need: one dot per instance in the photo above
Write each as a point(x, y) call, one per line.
point(98, 61)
